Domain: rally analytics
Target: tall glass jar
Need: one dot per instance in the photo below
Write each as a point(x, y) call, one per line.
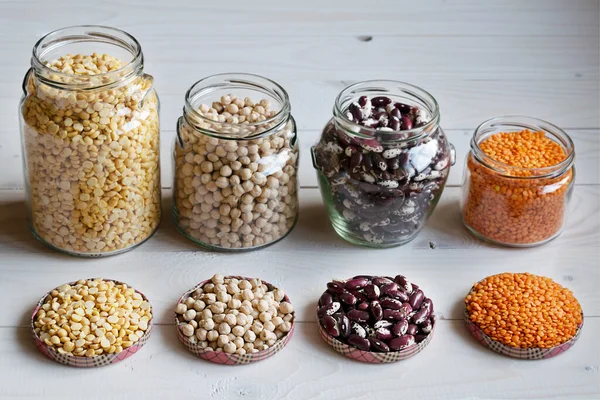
point(382, 162)
point(515, 206)
point(90, 140)
point(236, 163)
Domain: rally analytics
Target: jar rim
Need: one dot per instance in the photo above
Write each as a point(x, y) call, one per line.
point(255, 82)
point(85, 33)
point(358, 89)
point(503, 124)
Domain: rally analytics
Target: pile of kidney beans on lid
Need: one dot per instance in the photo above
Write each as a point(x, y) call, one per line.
point(384, 186)
point(377, 314)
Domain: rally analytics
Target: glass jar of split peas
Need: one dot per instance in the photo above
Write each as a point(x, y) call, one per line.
point(518, 180)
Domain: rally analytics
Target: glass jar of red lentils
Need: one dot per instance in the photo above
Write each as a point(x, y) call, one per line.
point(518, 180)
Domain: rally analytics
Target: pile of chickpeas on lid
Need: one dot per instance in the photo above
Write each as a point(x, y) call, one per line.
point(235, 315)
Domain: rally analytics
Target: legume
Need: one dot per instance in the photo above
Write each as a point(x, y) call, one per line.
point(378, 314)
point(236, 193)
point(235, 315)
point(524, 310)
point(511, 205)
point(92, 164)
point(92, 317)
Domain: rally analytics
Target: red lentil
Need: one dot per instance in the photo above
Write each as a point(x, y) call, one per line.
point(504, 207)
point(524, 310)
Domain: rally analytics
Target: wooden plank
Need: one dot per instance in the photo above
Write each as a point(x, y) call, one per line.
point(587, 145)
point(178, 18)
point(453, 366)
point(445, 260)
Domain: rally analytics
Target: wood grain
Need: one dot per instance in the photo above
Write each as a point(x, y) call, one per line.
point(308, 369)
point(168, 264)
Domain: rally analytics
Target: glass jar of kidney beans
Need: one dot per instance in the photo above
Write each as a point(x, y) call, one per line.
point(382, 162)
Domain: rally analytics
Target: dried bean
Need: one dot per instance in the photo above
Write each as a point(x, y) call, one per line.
point(336, 287)
point(416, 299)
point(381, 280)
point(358, 316)
point(372, 291)
point(420, 337)
point(383, 324)
point(358, 330)
point(344, 325)
point(356, 283)
point(380, 101)
point(387, 287)
point(326, 299)
point(398, 295)
point(427, 326)
point(401, 342)
point(363, 306)
point(378, 345)
point(348, 298)
point(390, 303)
point(412, 329)
point(383, 334)
point(404, 284)
point(376, 311)
point(400, 328)
point(331, 325)
point(328, 309)
point(421, 316)
point(359, 342)
point(393, 315)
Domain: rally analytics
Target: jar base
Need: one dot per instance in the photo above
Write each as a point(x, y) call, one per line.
point(483, 238)
point(211, 247)
point(89, 255)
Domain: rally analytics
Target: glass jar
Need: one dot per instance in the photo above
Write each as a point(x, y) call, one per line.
point(236, 163)
point(90, 140)
point(380, 185)
point(514, 206)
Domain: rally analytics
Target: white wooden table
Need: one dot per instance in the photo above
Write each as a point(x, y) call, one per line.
point(478, 58)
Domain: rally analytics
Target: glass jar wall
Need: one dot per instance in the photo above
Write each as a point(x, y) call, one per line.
point(505, 201)
point(382, 162)
point(90, 137)
point(236, 163)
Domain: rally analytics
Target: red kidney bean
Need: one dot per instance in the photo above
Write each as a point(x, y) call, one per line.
point(359, 342)
point(379, 161)
point(406, 123)
point(395, 123)
point(368, 277)
point(421, 316)
point(344, 325)
point(360, 297)
point(404, 108)
point(358, 282)
point(395, 113)
point(372, 291)
point(427, 303)
point(348, 298)
point(383, 334)
point(336, 287)
point(363, 306)
point(400, 328)
point(376, 311)
point(427, 326)
point(390, 303)
point(420, 337)
point(382, 324)
point(326, 299)
point(355, 161)
point(416, 299)
point(404, 284)
point(380, 101)
point(331, 325)
point(401, 342)
point(378, 345)
point(358, 316)
point(386, 288)
point(381, 280)
point(356, 112)
point(328, 309)
point(406, 309)
point(415, 287)
point(412, 329)
point(362, 101)
point(398, 295)
point(358, 330)
point(393, 315)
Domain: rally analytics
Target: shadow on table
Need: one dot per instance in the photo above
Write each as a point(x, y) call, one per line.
point(14, 233)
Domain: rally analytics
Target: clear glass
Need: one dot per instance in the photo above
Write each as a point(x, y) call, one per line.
point(235, 185)
point(90, 146)
point(384, 196)
point(513, 206)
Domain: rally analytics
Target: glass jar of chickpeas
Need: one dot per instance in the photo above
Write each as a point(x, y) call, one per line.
point(518, 181)
point(236, 163)
point(90, 139)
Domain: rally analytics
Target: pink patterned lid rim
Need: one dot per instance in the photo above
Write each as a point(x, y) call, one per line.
point(225, 358)
point(87, 362)
point(532, 353)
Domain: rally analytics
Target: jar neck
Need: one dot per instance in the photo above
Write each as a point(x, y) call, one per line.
point(398, 92)
point(212, 88)
point(87, 39)
point(517, 124)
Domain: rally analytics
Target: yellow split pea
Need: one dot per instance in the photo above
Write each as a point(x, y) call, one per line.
point(92, 317)
point(92, 156)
